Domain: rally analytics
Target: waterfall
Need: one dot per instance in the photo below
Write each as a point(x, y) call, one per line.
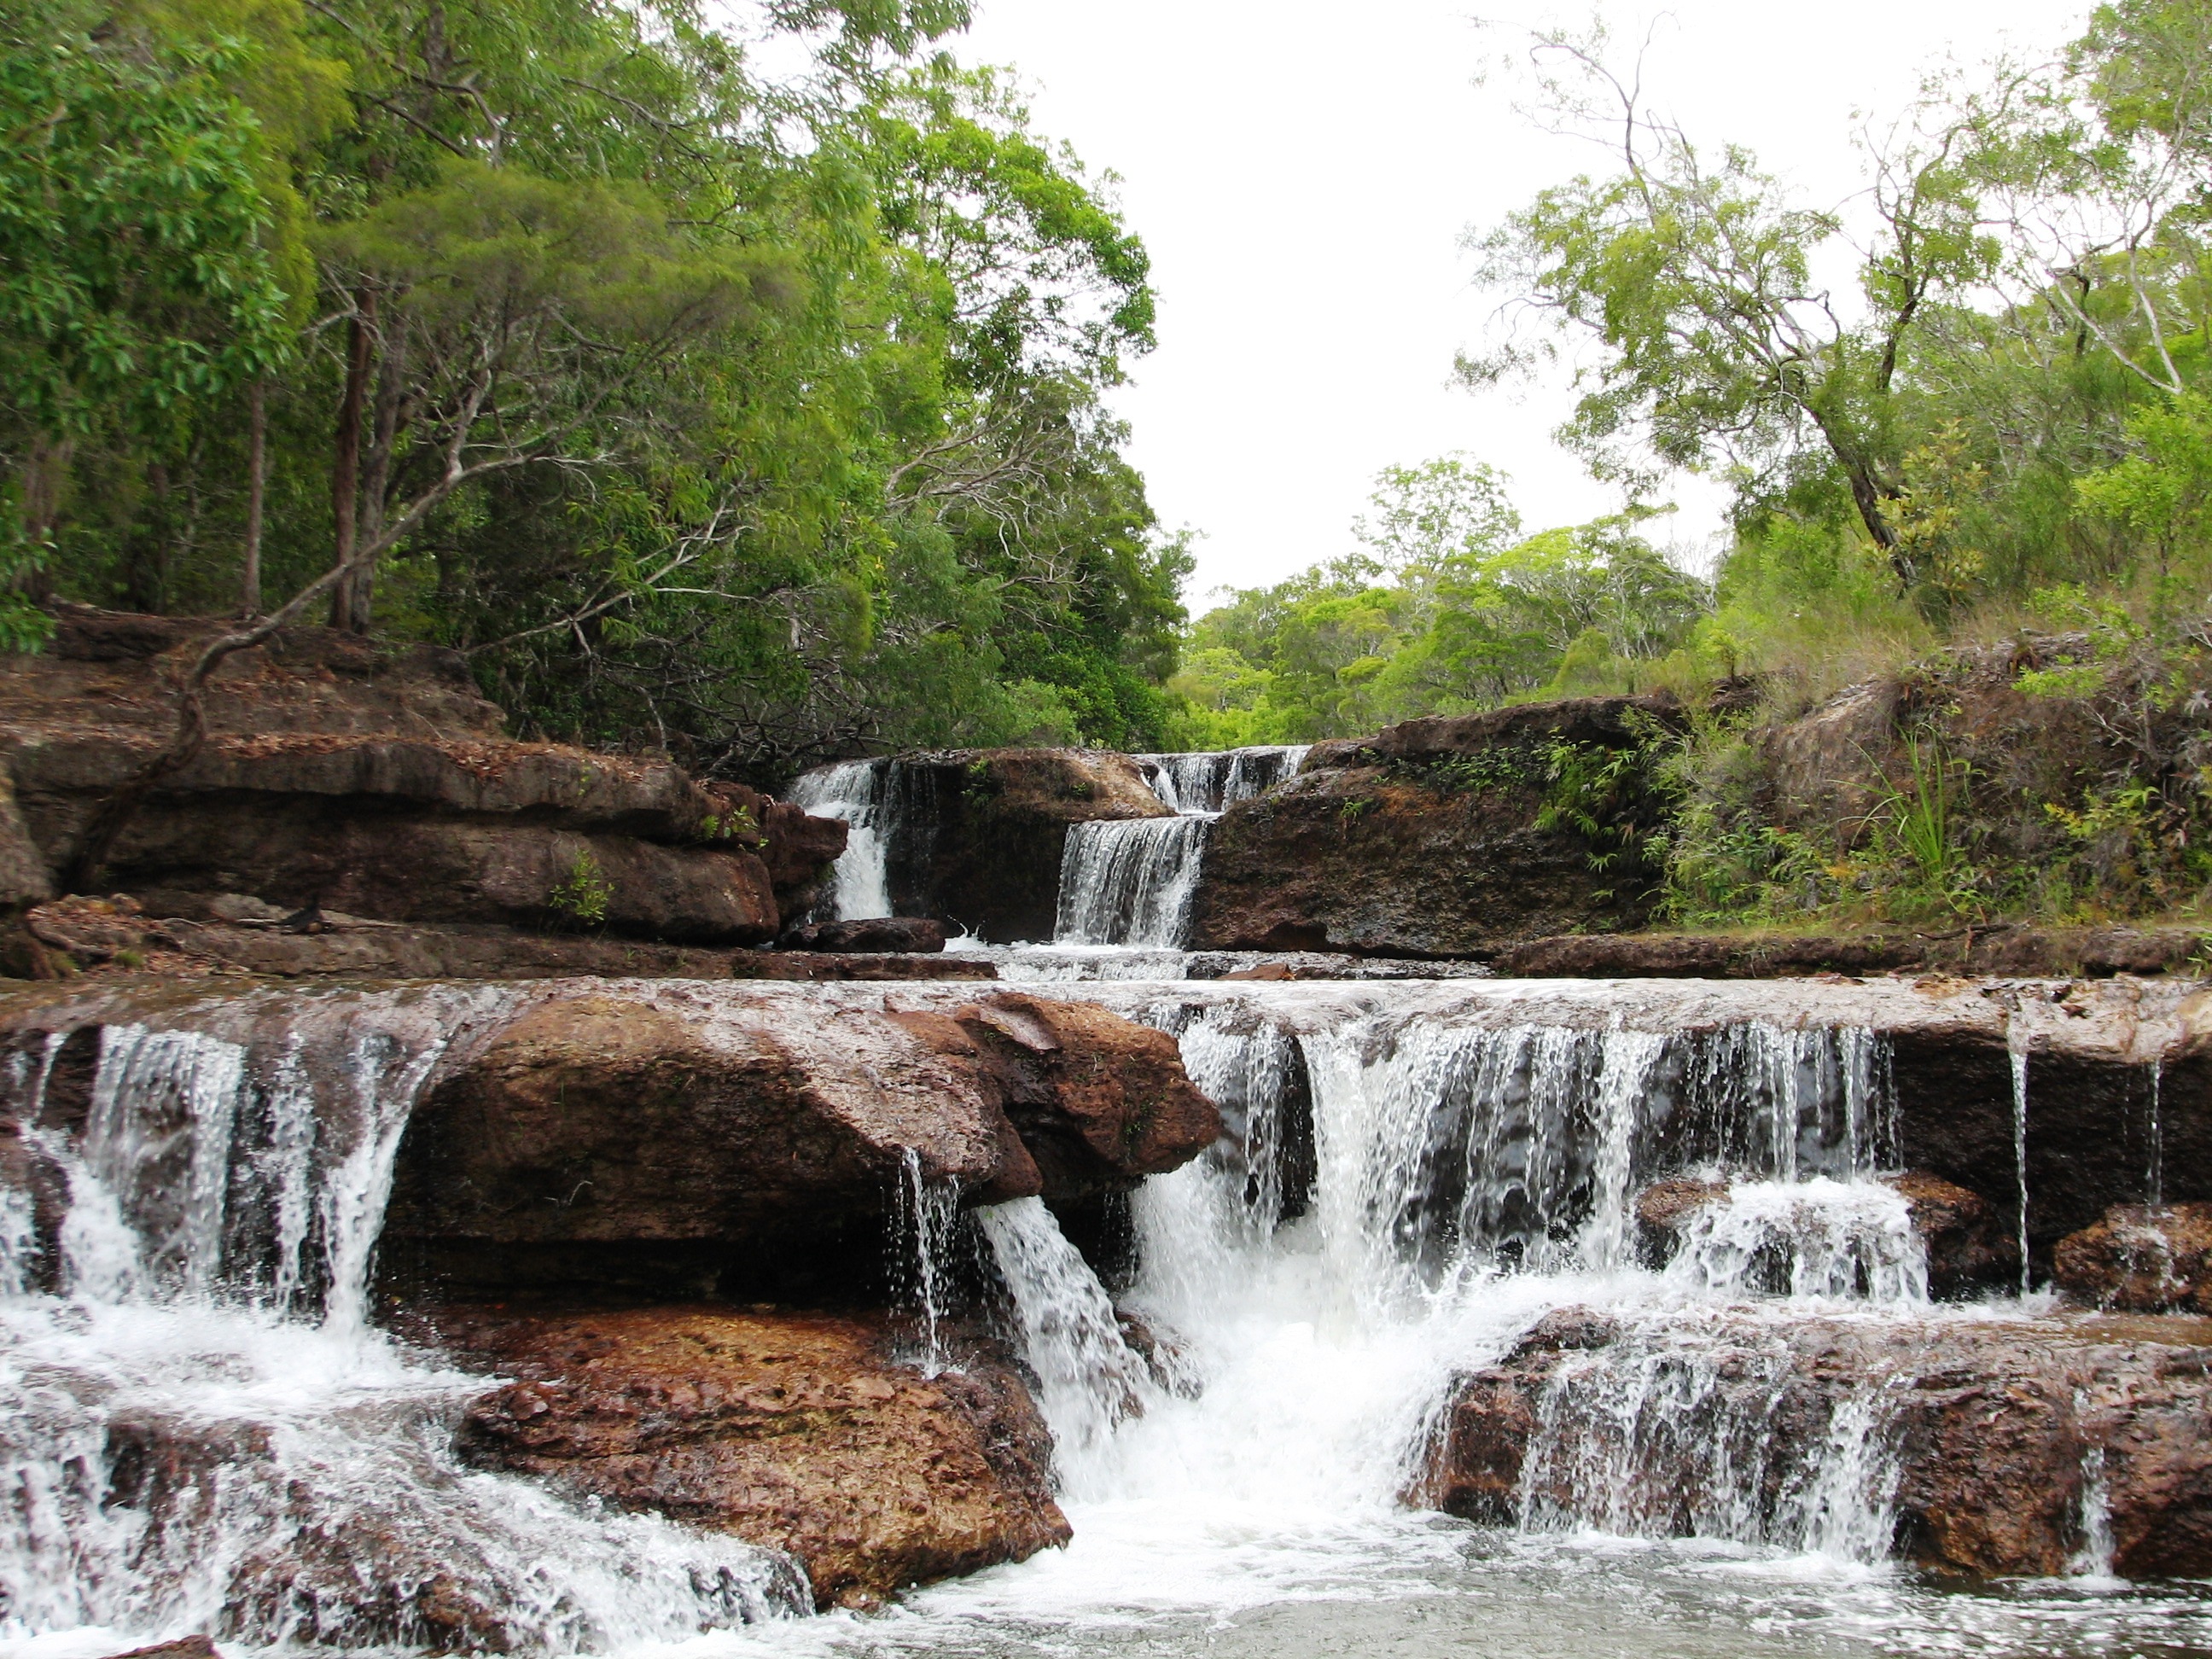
point(861, 793)
point(1398, 1198)
point(1129, 881)
point(204, 1433)
point(925, 1218)
point(1088, 1379)
point(1214, 780)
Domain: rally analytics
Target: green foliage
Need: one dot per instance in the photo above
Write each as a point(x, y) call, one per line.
point(583, 894)
point(755, 420)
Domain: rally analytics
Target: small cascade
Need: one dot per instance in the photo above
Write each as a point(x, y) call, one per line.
point(1833, 1240)
point(1129, 881)
point(2154, 1176)
point(205, 1433)
point(1089, 1379)
point(928, 1217)
point(1214, 780)
point(858, 792)
point(1673, 1433)
point(2093, 1559)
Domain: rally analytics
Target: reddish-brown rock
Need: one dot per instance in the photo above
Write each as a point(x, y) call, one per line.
point(793, 1431)
point(691, 1139)
point(1422, 840)
point(2141, 1259)
point(1997, 1434)
point(902, 933)
point(377, 783)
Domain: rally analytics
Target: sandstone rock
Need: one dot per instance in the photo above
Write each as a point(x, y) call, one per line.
point(185, 1647)
point(1421, 840)
point(2141, 1259)
point(2037, 952)
point(676, 1140)
point(376, 782)
point(796, 1432)
point(906, 933)
point(1713, 1424)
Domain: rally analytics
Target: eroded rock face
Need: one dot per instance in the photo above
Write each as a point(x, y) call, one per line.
point(377, 783)
point(794, 1430)
point(670, 1140)
point(1991, 1437)
point(1421, 840)
point(908, 934)
point(2038, 952)
point(2141, 1259)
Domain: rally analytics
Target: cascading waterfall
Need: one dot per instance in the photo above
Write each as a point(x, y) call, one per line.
point(1212, 781)
point(1129, 881)
point(204, 1433)
point(926, 1218)
point(1398, 1200)
point(863, 794)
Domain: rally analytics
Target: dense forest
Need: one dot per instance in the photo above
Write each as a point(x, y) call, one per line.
point(754, 415)
point(742, 388)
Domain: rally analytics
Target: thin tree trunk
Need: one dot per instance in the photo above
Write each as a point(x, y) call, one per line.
point(43, 475)
point(345, 464)
point(358, 593)
point(257, 479)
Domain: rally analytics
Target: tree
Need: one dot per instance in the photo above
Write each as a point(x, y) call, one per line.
point(1694, 273)
point(135, 275)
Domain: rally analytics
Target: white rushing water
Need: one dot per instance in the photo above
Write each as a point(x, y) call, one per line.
point(200, 1431)
point(861, 793)
point(1129, 883)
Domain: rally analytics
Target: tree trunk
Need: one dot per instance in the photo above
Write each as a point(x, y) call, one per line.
point(44, 473)
point(358, 593)
point(345, 464)
point(257, 480)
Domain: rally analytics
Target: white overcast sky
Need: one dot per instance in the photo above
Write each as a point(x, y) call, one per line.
point(1303, 174)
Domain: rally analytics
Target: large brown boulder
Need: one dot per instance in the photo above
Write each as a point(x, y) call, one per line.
point(2141, 1258)
point(673, 1139)
point(797, 1431)
point(1994, 1445)
point(1424, 840)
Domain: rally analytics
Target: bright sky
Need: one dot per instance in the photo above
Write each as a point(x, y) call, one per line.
point(1303, 174)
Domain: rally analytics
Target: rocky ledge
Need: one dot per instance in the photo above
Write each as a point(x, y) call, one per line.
point(1985, 1448)
point(800, 1431)
point(377, 783)
point(1427, 840)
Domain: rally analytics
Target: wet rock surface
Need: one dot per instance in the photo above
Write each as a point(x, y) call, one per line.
point(798, 1432)
point(1422, 840)
point(907, 934)
point(1995, 1448)
point(234, 934)
point(2141, 1258)
point(2038, 952)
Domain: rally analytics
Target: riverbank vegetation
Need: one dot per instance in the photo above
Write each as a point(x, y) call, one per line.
point(753, 414)
point(1965, 420)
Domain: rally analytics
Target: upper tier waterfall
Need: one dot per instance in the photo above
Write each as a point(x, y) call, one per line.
point(1130, 881)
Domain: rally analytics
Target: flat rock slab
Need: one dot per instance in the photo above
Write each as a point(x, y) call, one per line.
point(797, 1431)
